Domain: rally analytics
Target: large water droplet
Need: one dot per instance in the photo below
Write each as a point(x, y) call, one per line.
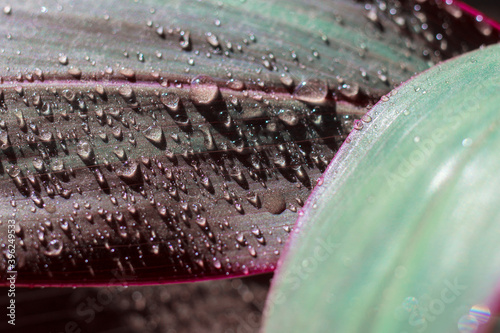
point(311, 91)
point(129, 171)
point(154, 134)
point(288, 117)
point(171, 101)
point(85, 150)
point(274, 202)
point(203, 91)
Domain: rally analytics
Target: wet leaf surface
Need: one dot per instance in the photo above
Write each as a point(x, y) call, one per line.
point(401, 235)
point(156, 142)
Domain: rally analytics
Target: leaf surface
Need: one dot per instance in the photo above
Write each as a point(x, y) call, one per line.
point(402, 235)
point(148, 142)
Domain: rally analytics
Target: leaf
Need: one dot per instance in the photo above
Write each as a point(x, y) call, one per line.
point(402, 234)
point(157, 142)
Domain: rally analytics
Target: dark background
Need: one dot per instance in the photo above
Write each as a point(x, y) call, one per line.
point(489, 7)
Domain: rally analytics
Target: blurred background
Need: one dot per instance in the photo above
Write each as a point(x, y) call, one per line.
point(489, 7)
point(230, 306)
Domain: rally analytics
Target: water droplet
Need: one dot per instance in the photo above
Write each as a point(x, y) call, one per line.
point(203, 91)
point(288, 117)
point(126, 92)
point(366, 118)
point(171, 101)
point(236, 85)
point(252, 251)
point(351, 91)
point(358, 125)
point(286, 80)
point(467, 142)
point(75, 72)
point(7, 10)
point(128, 73)
point(274, 202)
point(311, 91)
point(185, 40)
point(54, 248)
point(63, 59)
point(129, 171)
point(212, 40)
point(154, 134)
point(85, 150)
point(202, 222)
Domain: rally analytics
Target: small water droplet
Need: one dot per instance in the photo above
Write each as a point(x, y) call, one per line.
point(358, 125)
point(467, 142)
point(286, 80)
point(75, 72)
point(127, 73)
point(63, 59)
point(212, 40)
point(366, 118)
point(54, 248)
point(7, 10)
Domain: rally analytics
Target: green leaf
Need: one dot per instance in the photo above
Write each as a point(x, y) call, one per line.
point(403, 234)
point(147, 142)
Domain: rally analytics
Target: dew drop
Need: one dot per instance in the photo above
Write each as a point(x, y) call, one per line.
point(154, 134)
point(54, 248)
point(288, 117)
point(236, 85)
point(467, 142)
point(286, 80)
point(7, 10)
point(311, 91)
point(358, 125)
point(129, 171)
point(171, 101)
point(75, 72)
point(366, 118)
point(212, 40)
point(85, 150)
point(274, 202)
point(126, 91)
point(128, 73)
point(350, 91)
point(63, 59)
point(203, 90)
point(185, 40)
